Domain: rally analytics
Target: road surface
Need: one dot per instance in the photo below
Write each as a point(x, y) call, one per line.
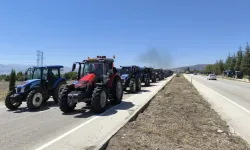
point(231, 99)
point(23, 130)
point(236, 91)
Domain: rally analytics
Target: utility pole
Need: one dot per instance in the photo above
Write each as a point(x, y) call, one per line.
point(38, 57)
point(42, 58)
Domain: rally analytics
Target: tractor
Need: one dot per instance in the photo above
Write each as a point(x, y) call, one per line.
point(97, 83)
point(152, 74)
point(130, 76)
point(40, 83)
point(159, 74)
point(145, 75)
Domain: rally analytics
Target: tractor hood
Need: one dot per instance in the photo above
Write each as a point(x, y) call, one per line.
point(32, 82)
point(124, 76)
point(86, 79)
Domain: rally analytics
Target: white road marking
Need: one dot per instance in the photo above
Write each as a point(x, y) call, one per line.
point(78, 127)
point(241, 107)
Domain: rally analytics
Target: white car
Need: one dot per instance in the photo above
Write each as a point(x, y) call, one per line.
point(211, 77)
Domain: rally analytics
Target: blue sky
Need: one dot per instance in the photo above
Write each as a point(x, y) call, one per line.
point(184, 32)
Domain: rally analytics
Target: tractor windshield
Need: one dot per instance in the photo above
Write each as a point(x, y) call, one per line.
point(126, 70)
point(36, 73)
point(93, 67)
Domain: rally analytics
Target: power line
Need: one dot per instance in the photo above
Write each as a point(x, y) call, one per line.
point(38, 58)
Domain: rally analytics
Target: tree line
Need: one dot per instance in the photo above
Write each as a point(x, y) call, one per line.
point(234, 62)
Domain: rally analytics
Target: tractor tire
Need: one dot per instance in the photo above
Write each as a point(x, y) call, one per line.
point(138, 85)
point(34, 99)
point(58, 90)
point(147, 82)
point(99, 99)
point(153, 79)
point(63, 101)
point(117, 92)
point(8, 102)
point(132, 86)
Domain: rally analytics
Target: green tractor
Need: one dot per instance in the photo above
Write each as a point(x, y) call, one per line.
point(40, 83)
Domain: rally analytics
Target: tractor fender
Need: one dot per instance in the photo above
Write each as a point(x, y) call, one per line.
point(59, 80)
point(112, 79)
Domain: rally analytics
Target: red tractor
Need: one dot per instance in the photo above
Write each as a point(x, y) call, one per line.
point(97, 82)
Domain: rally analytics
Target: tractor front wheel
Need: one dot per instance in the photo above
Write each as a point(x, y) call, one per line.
point(117, 92)
point(64, 104)
point(34, 99)
point(147, 82)
point(132, 86)
point(99, 99)
point(10, 103)
point(138, 84)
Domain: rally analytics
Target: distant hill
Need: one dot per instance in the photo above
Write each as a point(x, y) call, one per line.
point(6, 68)
point(200, 67)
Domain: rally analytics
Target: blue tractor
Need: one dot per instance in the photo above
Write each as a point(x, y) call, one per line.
point(145, 75)
point(40, 83)
point(130, 76)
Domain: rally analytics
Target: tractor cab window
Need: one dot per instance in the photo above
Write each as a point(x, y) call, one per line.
point(55, 73)
point(45, 74)
point(37, 73)
point(93, 67)
point(126, 70)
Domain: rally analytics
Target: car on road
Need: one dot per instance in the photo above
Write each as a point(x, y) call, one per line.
point(211, 77)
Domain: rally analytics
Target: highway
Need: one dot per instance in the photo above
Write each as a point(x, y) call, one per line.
point(24, 130)
point(236, 91)
point(230, 99)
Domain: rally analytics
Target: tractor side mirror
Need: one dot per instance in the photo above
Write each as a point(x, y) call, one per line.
point(73, 67)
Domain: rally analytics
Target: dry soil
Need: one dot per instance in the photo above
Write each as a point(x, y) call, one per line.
point(177, 118)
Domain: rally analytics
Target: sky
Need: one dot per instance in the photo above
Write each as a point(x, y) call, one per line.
point(174, 33)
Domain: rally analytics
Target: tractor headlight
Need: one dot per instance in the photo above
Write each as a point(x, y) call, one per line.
point(22, 90)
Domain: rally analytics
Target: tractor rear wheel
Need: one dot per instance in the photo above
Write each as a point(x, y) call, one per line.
point(58, 90)
point(132, 86)
point(34, 99)
point(99, 99)
point(64, 104)
point(9, 103)
point(117, 92)
point(138, 84)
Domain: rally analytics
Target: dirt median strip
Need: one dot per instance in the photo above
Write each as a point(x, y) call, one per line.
point(177, 118)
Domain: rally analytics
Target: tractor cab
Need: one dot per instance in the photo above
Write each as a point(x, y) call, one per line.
point(130, 76)
point(97, 82)
point(159, 73)
point(47, 76)
point(40, 83)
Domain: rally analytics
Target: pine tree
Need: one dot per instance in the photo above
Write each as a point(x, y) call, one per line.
point(228, 62)
point(238, 60)
point(12, 80)
point(233, 62)
point(246, 61)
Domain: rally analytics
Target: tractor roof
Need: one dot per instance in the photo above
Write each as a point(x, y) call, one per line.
point(130, 66)
point(99, 58)
point(51, 66)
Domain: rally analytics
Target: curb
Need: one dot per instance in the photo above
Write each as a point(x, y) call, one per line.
point(104, 143)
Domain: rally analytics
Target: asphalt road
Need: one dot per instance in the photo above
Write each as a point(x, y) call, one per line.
point(22, 129)
point(239, 92)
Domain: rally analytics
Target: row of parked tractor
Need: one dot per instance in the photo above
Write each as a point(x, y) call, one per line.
point(98, 81)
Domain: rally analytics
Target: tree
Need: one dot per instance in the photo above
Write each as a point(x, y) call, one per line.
point(12, 81)
point(20, 76)
point(228, 62)
point(238, 60)
point(209, 68)
point(233, 62)
point(246, 61)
